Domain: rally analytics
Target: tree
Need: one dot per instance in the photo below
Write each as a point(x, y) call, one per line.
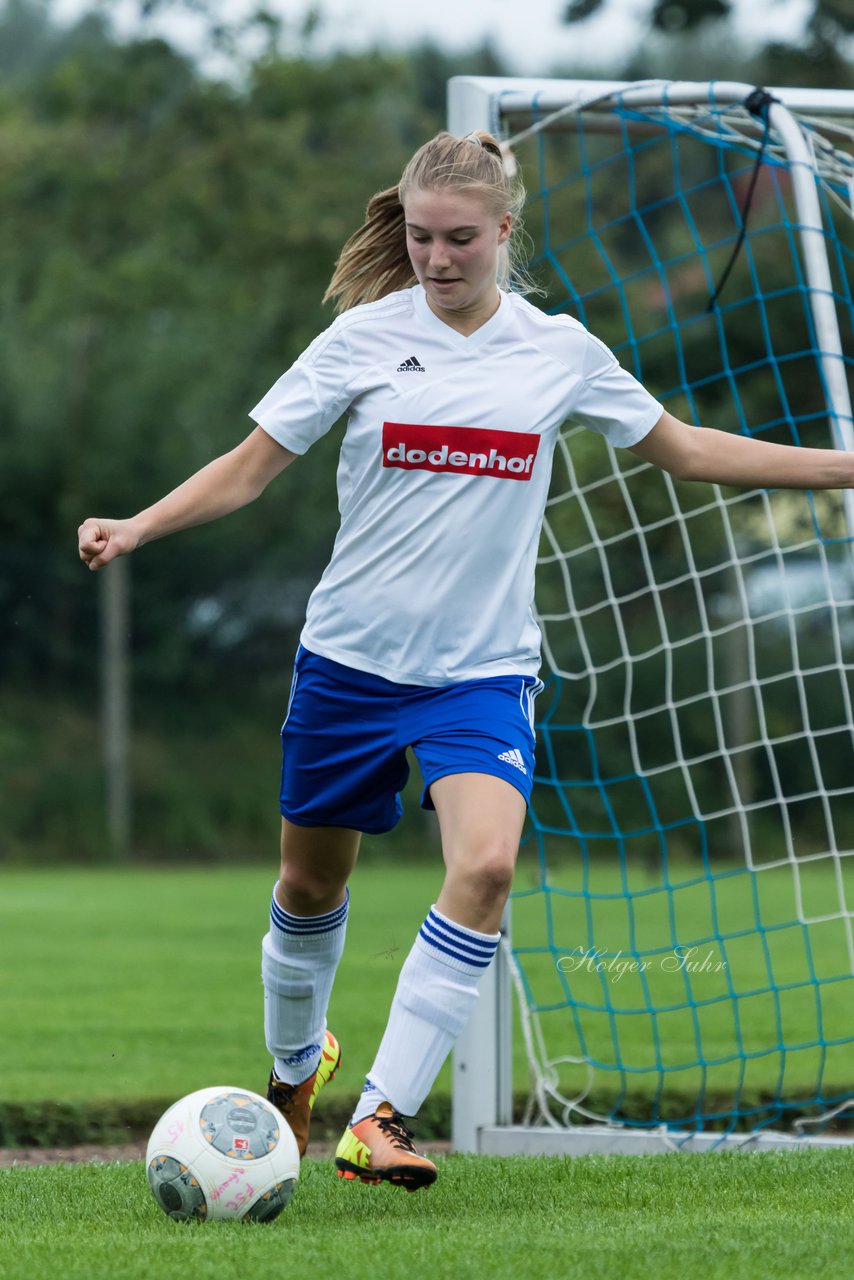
point(165, 241)
point(827, 27)
point(665, 15)
point(166, 237)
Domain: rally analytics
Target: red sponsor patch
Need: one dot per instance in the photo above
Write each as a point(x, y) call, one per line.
point(470, 451)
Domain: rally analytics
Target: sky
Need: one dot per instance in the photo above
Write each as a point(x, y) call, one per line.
point(528, 33)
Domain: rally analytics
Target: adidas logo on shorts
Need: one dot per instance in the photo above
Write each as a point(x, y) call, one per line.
point(514, 757)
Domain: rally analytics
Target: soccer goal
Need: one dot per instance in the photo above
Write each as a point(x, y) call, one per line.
point(679, 954)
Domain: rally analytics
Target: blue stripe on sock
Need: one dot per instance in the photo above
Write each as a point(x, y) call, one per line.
point(308, 924)
point(438, 930)
point(301, 926)
point(455, 955)
point(457, 942)
point(474, 950)
point(457, 935)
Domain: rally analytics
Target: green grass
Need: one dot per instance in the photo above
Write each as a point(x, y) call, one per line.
point(729, 1216)
point(702, 942)
point(127, 989)
point(146, 984)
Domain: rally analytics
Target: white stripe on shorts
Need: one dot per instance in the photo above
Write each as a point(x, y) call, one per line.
point(291, 697)
point(527, 697)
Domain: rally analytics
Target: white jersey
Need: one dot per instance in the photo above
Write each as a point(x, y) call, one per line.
point(443, 477)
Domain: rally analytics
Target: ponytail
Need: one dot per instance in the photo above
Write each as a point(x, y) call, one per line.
point(374, 262)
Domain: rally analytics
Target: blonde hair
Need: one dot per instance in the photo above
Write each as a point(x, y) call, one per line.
point(375, 261)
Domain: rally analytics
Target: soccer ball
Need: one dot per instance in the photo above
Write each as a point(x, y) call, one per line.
point(222, 1153)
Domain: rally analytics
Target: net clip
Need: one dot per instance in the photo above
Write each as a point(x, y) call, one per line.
point(758, 102)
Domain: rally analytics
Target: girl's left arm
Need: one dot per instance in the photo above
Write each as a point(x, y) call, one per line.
point(702, 453)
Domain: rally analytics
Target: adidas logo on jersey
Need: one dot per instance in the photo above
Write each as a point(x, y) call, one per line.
point(412, 365)
point(514, 757)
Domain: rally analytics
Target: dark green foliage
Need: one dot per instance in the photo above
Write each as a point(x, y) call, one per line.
point(69, 1124)
point(165, 240)
point(685, 15)
point(580, 10)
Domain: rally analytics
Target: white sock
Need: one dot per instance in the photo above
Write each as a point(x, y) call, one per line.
point(299, 957)
point(435, 995)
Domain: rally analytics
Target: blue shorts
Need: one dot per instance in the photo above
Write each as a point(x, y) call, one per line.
point(346, 732)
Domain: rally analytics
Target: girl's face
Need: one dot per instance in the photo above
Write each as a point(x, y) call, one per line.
point(453, 242)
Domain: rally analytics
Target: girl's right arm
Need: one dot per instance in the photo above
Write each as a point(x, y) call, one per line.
point(229, 482)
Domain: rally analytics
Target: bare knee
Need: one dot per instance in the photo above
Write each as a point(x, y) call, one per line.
point(491, 876)
point(316, 865)
point(476, 888)
point(309, 891)
point(481, 819)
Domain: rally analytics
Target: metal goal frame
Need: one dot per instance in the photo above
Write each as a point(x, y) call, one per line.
point(482, 1093)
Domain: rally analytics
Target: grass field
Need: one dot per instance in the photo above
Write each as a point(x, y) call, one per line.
point(746, 996)
point(727, 1217)
point(142, 985)
point(146, 984)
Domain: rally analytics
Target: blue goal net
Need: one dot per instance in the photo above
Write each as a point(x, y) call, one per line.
point(682, 918)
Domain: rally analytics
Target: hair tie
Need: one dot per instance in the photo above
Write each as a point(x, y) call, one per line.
point(490, 146)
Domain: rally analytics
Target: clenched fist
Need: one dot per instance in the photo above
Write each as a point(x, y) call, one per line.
point(100, 541)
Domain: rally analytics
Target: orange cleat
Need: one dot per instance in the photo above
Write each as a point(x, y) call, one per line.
point(295, 1101)
point(380, 1149)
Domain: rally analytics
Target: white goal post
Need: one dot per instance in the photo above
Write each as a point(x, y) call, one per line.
point(737, 646)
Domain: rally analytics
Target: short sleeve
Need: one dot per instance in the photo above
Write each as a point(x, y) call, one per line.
point(310, 398)
point(611, 401)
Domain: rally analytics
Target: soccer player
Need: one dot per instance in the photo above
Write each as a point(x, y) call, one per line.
point(420, 633)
